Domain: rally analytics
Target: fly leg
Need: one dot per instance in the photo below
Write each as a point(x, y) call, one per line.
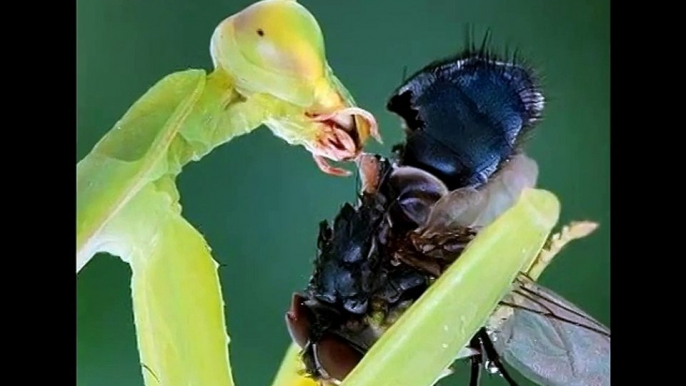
point(433, 254)
point(492, 357)
point(476, 361)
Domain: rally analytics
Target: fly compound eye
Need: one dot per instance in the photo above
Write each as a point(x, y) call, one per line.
point(336, 357)
point(417, 191)
point(298, 322)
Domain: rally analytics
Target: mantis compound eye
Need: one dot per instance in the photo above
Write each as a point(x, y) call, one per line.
point(275, 48)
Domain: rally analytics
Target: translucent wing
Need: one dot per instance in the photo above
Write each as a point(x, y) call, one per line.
point(470, 207)
point(551, 341)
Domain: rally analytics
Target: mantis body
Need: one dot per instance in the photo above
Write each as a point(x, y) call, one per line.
point(270, 69)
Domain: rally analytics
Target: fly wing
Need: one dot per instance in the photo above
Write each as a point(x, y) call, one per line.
point(551, 341)
point(470, 207)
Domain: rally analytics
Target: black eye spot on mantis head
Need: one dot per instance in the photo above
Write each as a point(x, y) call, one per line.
point(260, 31)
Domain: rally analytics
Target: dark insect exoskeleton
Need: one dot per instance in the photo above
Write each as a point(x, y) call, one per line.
point(465, 117)
point(460, 167)
point(353, 282)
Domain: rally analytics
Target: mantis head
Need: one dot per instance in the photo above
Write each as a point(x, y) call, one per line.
point(275, 47)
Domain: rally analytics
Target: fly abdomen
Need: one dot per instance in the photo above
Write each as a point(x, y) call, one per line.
point(465, 116)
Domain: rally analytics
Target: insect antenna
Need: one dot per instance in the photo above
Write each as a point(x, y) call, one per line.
point(493, 357)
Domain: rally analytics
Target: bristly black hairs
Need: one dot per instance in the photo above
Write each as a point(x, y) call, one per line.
point(484, 55)
point(473, 97)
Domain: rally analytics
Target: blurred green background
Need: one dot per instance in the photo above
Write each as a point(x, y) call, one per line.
point(258, 201)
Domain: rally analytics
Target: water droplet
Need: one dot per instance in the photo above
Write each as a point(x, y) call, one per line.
point(491, 367)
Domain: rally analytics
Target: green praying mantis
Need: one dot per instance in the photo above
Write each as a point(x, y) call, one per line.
point(270, 69)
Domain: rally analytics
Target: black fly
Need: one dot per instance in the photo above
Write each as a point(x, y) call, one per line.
point(460, 167)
